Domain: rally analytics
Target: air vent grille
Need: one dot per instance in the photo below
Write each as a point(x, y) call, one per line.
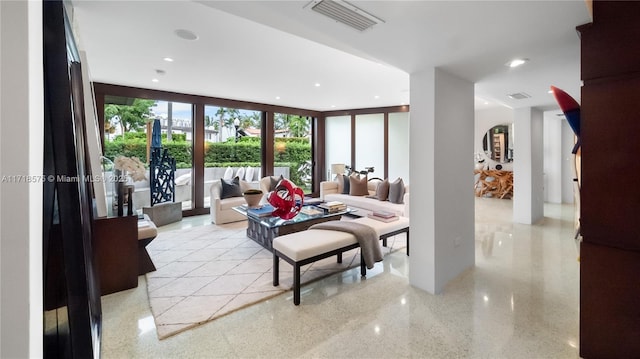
point(346, 13)
point(519, 96)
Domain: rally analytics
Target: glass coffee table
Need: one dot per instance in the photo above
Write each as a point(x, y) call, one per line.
point(264, 229)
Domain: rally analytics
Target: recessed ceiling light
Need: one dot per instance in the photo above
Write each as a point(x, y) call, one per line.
point(168, 59)
point(155, 80)
point(277, 97)
point(186, 34)
point(317, 84)
point(516, 62)
point(550, 91)
point(376, 97)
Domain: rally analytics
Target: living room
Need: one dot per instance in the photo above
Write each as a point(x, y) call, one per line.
point(438, 158)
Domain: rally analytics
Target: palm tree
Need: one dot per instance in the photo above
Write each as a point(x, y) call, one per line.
point(299, 126)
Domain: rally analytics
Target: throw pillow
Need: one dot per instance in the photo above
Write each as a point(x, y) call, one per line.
point(240, 173)
point(184, 179)
point(248, 175)
point(396, 191)
point(358, 186)
point(230, 188)
point(345, 184)
point(228, 174)
point(274, 182)
point(382, 191)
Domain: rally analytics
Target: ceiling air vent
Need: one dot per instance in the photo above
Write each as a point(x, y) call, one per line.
point(345, 13)
point(519, 96)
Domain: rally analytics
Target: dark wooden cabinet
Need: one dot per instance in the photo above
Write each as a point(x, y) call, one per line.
point(610, 195)
point(115, 247)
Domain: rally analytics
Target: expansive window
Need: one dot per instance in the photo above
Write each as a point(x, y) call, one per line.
point(368, 138)
point(176, 123)
point(337, 143)
point(128, 127)
point(292, 149)
point(399, 146)
point(232, 140)
point(207, 134)
point(370, 144)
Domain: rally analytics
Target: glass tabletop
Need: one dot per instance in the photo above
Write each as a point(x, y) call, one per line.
point(307, 213)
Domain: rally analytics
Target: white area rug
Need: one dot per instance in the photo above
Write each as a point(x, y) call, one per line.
point(209, 271)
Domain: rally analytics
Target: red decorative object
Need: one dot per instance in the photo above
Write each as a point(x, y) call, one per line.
point(287, 199)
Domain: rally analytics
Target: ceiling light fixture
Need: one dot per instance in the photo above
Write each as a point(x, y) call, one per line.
point(519, 96)
point(186, 34)
point(155, 80)
point(317, 84)
point(168, 59)
point(516, 62)
point(346, 13)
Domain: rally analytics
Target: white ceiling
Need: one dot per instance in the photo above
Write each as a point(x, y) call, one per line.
point(259, 50)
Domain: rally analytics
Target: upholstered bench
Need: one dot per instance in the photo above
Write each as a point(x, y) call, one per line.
point(308, 246)
point(387, 229)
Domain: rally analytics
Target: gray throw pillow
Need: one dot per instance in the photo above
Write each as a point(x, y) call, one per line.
point(396, 191)
point(358, 186)
point(382, 191)
point(274, 182)
point(345, 184)
point(230, 188)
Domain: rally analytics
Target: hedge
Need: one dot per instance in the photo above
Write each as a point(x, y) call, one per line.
point(290, 152)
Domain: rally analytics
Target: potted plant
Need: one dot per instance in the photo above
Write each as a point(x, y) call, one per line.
point(253, 197)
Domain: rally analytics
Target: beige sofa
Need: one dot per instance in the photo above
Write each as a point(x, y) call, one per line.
point(364, 205)
point(221, 210)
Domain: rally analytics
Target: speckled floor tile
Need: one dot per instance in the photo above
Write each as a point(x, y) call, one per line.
point(521, 300)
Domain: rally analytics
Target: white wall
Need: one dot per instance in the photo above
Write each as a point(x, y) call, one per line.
point(552, 146)
point(528, 177)
point(441, 147)
point(21, 146)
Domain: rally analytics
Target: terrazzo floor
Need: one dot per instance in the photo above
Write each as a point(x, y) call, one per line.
point(521, 300)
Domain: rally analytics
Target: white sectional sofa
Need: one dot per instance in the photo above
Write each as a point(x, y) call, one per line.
point(364, 205)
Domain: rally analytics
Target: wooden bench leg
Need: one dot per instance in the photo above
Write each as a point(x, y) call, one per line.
point(276, 269)
point(296, 284)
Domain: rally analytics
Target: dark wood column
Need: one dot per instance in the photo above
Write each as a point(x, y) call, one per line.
point(610, 195)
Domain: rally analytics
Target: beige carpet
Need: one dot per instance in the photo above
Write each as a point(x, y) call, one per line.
point(208, 271)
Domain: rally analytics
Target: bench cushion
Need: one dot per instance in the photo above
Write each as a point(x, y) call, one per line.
point(306, 244)
point(383, 228)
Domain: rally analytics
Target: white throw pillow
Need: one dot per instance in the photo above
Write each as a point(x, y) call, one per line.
point(248, 176)
point(240, 173)
point(184, 179)
point(228, 174)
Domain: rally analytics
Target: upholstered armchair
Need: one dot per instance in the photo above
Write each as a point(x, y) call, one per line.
point(222, 209)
